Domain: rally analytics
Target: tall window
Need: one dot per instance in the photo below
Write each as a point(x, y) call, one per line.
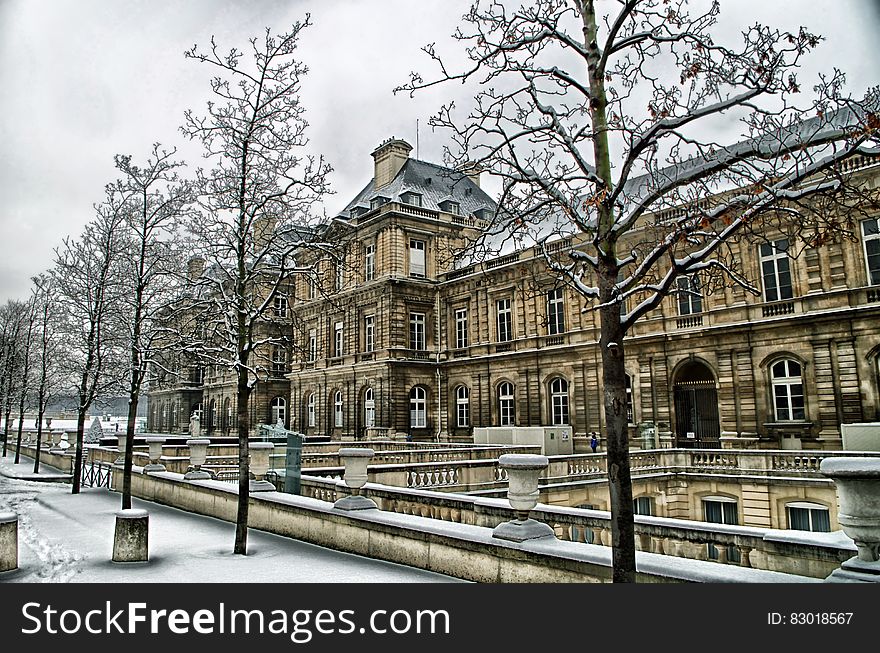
point(461, 328)
point(788, 391)
point(871, 234)
point(418, 408)
point(559, 400)
point(163, 423)
point(279, 359)
point(642, 506)
point(369, 262)
point(339, 275)
point(775, 271)
point(312, 291)
point(313, 345)
point(337, 339)
point(721, 510)
point(417, 331)
point(337, 408)
point(369, 408)
point(555, 312)
point(462, 406)
point(279, 410)
point(505, 320)
point(369, 333)
point(310, 409)
point(227, 412)
point(505, 404)
point(280, 306)
point(212, 424)
point(630, 413)
point(690, 296)
point(416, 258)
point(803, 516)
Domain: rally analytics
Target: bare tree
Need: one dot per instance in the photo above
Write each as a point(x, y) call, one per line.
point(11, 318)
point(154, 198)
point(83, 277)
point(25, 370)
point(638, 128)
point(256, 201)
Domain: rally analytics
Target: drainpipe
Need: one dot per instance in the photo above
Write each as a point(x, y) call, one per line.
point(437, 366)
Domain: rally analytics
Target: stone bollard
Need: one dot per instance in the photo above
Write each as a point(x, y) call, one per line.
point(155, 442)
point(858, 497)
point(8, 541)
point(355, 461)
point(130, 540)
point(120, 446)
point(523, 471)
point(259, 465)
point(198, 454)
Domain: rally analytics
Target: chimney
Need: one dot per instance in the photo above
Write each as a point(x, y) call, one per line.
point(264, 229)
point(389, 158)
point(195, 267)
point(472, 170)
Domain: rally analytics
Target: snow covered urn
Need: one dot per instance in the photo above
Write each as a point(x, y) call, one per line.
point(523, 471)
point(259, 465)
point(130, 539)
point(155, 443)
point(8, 541)
point(858, 497)
point(120, 447)
point(198, 454)
point(355, 477)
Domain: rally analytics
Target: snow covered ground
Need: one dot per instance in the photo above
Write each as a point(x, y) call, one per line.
point(69, 538)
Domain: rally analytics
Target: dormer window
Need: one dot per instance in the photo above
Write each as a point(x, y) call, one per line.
point(378, 201)
point(358, 211)
point(451, 207)
point(483, 213)
point(414, 199)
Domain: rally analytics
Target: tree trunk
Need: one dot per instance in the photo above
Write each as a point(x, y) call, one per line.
point(129, 450)
point(20, 427)
point(78, 457)
point(241, 520)
point(623, 551)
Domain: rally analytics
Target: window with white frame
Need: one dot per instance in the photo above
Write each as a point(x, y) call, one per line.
point(337, 408)
point(369, 408)
point(417, 331)
point(339, 274)
point(414, 199)
point(462, 406)
point(871, 236)
point(721, 510)
point(280, 306)
point(337, 339)
point(418, 408)
point(643, 506)
point(461, 328)
point(504, 321)
point(279, 410)
point(310, 409)
point(690, 295)
point(786, 379)
point(279, 359)
point(312, 290)
point(630, 412)
point(555, 312)
point(805, 516)
point(369, 262)
point(369, 333)
point(313, 345)
point(559, 401)
point(416, 258)
point(213, 422)
point(506, 405)
point(776, 271)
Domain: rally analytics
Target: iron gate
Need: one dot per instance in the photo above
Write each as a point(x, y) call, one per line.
point(696, 415)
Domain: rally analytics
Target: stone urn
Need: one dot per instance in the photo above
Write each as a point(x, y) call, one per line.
point(260, 453)
point(858, 496)
point(198, 454)
point(155, 443)
point(523, 472)
point(355, 477)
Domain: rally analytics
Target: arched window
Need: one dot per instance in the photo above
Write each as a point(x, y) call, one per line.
point(559, 401)
point(337, 408)
point(418, 408)
point(505, 404)
point(279, 411)
point(462, 406)
point(163, 423)
point(212, 424)
point(369, 408)
point(804, 516)
point(788, 390)
point(310, 409)
point(227, 414)
point(173, 414)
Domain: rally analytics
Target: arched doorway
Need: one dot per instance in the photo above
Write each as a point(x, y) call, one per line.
point(696, 407)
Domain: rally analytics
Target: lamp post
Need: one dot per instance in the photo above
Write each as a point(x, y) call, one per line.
point(355, 477)
point(523, 471)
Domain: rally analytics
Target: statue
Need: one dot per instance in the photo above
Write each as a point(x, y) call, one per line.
point(195, 425)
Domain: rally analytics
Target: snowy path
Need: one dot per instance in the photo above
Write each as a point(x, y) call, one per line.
point(69, 538)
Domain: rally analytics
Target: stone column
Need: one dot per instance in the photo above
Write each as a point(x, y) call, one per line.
point(130, 540)
point(8, 541)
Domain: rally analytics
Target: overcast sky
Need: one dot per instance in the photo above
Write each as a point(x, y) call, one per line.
point(82, 80)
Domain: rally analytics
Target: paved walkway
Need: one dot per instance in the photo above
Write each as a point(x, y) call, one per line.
point(69, 538)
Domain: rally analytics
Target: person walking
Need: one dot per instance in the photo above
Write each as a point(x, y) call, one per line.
point(594, 442)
